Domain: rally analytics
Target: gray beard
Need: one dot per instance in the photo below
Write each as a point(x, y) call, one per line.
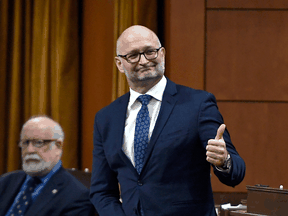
point(159, 71)
point(37, 168)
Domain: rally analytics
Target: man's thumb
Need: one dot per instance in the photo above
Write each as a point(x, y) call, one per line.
point(220, 132)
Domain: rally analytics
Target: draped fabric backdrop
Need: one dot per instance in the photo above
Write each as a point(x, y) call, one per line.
point(40, 69)
point(39, 73)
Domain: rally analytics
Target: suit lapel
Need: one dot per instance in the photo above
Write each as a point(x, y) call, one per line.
point(47, 194)
point(14, 188)
point(168, 103)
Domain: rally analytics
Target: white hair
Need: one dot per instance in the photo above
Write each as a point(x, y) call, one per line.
point(57, 130)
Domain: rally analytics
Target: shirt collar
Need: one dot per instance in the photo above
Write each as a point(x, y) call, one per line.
point(156, 92)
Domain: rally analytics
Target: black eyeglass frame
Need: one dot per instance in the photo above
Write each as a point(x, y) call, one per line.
point(45, 142)
point(139, 55)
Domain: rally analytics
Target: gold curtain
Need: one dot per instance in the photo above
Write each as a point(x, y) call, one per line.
point(127, 13)
point(39, 73)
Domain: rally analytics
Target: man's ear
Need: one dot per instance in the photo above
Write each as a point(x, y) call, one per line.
point(119, 64)
point(163, 52)
point(59, 149)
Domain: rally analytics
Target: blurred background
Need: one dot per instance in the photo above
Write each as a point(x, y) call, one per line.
point(57, 58)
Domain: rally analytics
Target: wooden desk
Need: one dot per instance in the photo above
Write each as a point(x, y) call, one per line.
point(231, 212)
point(262, 201)
point(243, 212)
point(267, 201)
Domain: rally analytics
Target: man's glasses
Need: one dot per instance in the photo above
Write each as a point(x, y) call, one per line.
point(149, 54)
point(38, 143)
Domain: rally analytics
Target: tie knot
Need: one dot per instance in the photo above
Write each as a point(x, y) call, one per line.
point(144, 99)
point(33, 182)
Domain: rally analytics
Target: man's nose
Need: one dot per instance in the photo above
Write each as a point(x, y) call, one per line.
point(30, 147)
point(143, 59)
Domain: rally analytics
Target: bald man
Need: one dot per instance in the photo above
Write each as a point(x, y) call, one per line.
point(44, 187)
point(158, 141)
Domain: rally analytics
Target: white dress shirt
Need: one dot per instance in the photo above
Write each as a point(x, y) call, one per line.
point(134, 107)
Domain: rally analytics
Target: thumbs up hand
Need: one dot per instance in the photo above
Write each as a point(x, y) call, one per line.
point(216, 151)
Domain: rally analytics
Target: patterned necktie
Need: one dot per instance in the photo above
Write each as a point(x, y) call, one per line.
point(141, 132)
point(26, 198)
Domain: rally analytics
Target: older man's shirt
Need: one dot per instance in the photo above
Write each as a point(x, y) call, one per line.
point(39, 187)
point(132, 110)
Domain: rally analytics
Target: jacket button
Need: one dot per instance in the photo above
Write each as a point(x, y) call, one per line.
point(140, 183)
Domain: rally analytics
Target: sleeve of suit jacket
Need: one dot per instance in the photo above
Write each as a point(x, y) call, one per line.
point(104, 191)
point(208, 122)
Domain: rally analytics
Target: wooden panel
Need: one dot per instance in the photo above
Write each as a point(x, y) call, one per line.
point(184, 41)
point(259, 133)
point(247, 4)
point(97, 64)
point(247, 55)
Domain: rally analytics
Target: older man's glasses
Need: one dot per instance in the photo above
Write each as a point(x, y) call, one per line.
point(149, 54)
point(38, 143)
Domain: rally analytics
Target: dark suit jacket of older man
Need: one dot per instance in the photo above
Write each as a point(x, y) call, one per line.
point(63, 195)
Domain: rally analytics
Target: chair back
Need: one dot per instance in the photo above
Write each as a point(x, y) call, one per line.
point(83, 176)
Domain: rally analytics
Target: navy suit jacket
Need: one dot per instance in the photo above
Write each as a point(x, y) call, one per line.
point(71, 199)
point(175, 179)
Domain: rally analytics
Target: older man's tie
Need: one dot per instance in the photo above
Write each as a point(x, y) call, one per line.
point(141, 132)
point(26, 197)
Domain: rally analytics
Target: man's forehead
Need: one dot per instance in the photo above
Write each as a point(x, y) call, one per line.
point(37, 130)
point(138, 37)
point(137, 46)
point(37, 133)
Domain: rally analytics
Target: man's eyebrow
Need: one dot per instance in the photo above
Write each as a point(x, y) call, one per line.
point(134, 51)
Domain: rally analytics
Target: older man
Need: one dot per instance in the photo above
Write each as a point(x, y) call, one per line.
point(158, 141)
point(44, 187)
